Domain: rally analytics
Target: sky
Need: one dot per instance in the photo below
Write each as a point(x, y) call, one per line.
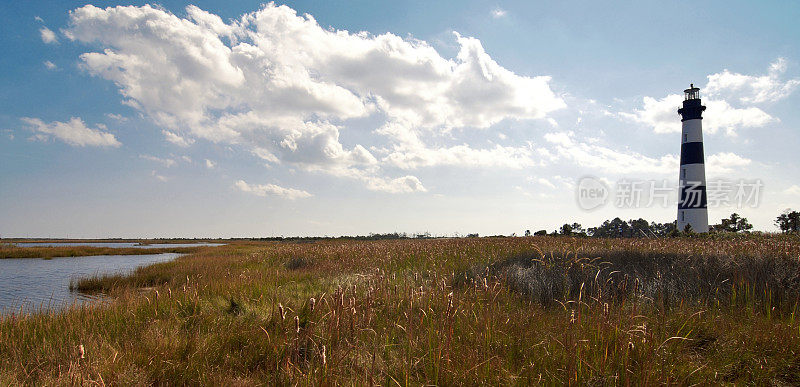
point(246, 119)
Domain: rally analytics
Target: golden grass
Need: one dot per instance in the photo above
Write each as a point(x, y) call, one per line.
point(83, 251)
point(398, 313)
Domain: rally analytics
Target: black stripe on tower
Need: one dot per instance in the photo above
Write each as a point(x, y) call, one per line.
point(691, 110)
point(693, 197)
point(692, 153)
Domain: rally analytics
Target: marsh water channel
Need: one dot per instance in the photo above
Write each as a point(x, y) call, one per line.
point(34, 284)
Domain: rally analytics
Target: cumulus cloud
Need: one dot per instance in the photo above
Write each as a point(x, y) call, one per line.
point(165, 161)
point(116, 117)
point(545, 182)
point(176, 139)
point(50, 65)
point(751, 88)
point(271, 190)
point(48, 36)
point(793, 190)
point(405, 184)
point(596, 156)
point(409, 152)
point(725, 162)
point(662, 115)
point(721, 90)
point(283, 87)
point(73, 132)
point(210, 164)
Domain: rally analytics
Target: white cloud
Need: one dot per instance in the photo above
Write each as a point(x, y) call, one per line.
point(405, 184)
point(159, 177)
point(210, 164)
point(176, 139)
point(50, 65)
point(725, 162)
point(559, 138)
point(793, 190)
point(590, 154)
point(662, 116)
point(409, 152)
point(271, 190)
point(545, 182)
point(48, 36)
point(722, 116)
point(498, 13)
point(281, 86)
point(596, 156)
point(165, 161)
point(73, 132)
point(38, 19)
point(721, 89)
point(117, 117)
point(750, 88)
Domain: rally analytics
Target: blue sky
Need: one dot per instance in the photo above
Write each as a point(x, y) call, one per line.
point(244, 119)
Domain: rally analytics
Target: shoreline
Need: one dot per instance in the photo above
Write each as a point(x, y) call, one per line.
point(85, 251)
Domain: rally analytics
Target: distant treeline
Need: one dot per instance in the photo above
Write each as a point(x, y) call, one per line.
point(787, 222)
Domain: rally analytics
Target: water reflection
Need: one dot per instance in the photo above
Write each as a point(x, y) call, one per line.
point(33, 283)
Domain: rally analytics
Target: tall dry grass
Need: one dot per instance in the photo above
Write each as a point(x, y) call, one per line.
point(458, 311)
point(12, 251)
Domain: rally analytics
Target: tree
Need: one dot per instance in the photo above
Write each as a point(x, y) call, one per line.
point(734, 223)
point(639, 227)
point(527, 233)
point(610, 229)
point(540, 233)
point(572, 229)
point(664, 229)
point(788, 221)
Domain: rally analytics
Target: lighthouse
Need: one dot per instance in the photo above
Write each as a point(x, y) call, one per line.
point(692, 202)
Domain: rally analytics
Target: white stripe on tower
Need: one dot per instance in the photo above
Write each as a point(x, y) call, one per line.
point(692, 201)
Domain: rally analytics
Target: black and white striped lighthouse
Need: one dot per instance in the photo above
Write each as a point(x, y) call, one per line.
point(692, 204)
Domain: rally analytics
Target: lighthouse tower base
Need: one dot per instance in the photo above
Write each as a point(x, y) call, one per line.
point(697, 217)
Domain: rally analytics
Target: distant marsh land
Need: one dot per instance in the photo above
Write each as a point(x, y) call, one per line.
point(11, 251)
point(534, 310)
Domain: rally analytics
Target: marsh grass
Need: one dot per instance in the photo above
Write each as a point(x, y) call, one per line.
point(11, 251)
point(446, 312)
point(662, 279)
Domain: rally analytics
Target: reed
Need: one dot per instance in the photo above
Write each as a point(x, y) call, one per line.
point(538, 310)
point(10, 251)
